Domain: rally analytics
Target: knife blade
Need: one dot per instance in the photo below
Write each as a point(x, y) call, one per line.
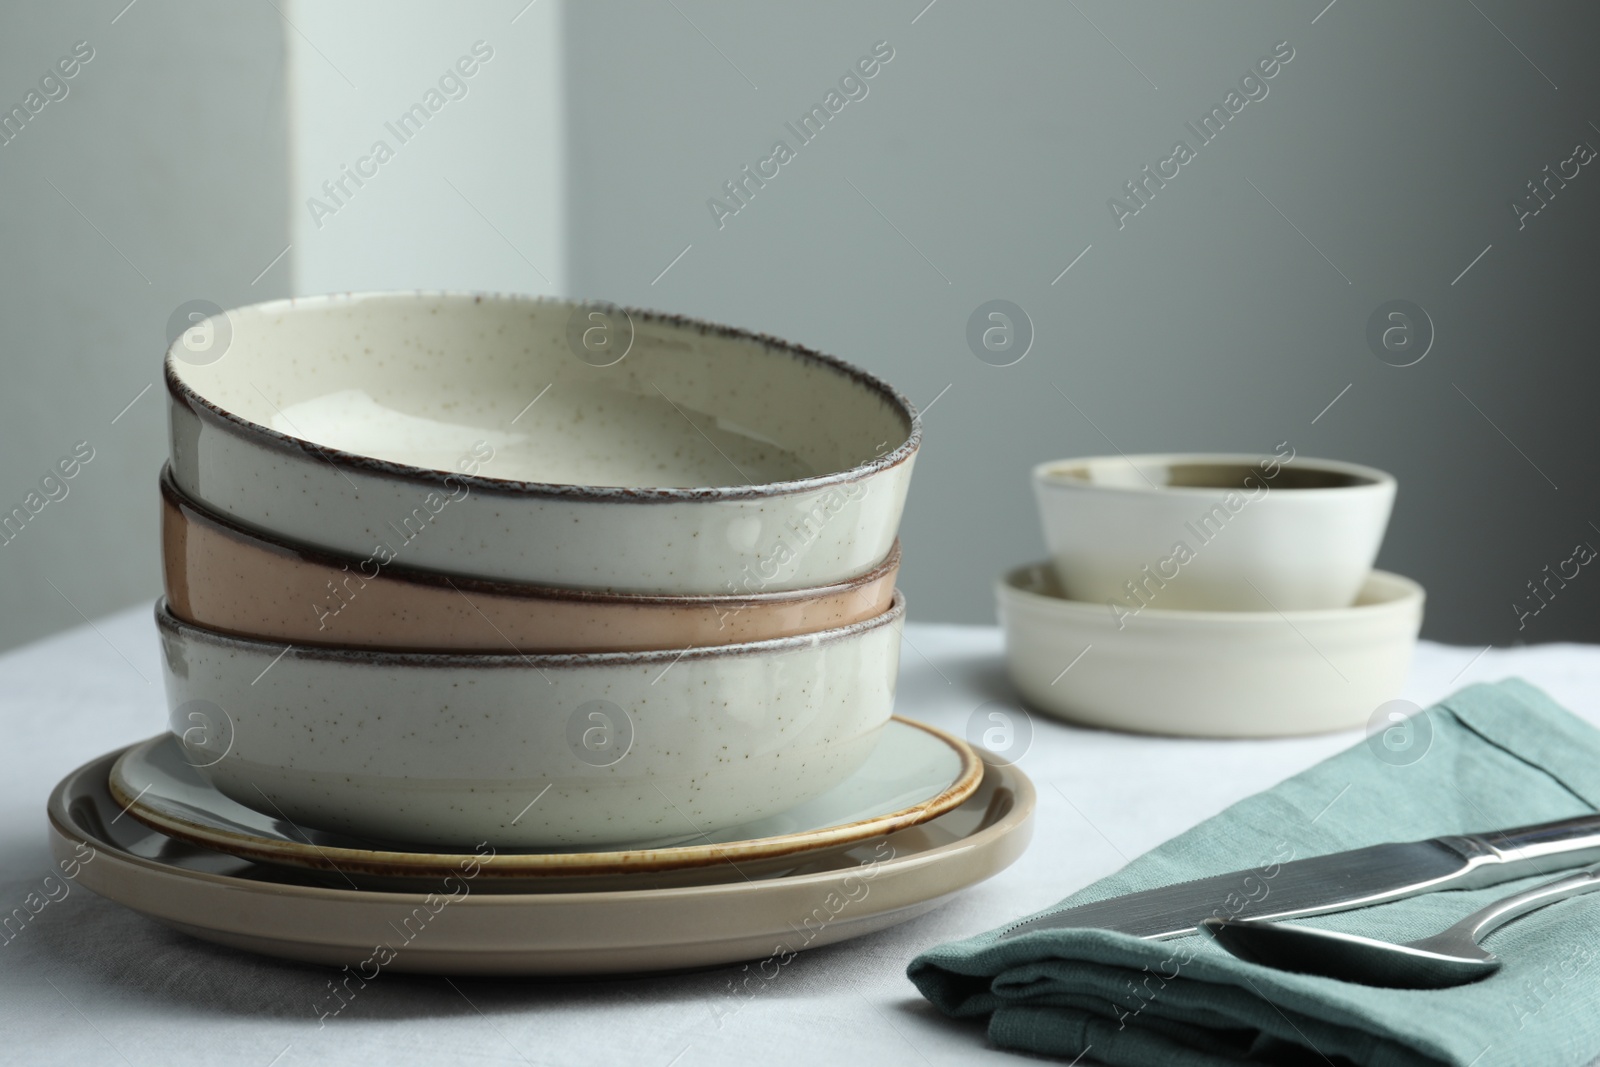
point(1339, 881)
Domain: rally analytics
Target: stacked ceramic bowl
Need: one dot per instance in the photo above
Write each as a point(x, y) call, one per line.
point(1223, 595)
point(449, 569)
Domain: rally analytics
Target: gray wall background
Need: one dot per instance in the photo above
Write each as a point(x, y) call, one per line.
point(160, 177)
point(979, 166)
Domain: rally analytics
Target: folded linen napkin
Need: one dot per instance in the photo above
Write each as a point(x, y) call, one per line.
point(1499, 756)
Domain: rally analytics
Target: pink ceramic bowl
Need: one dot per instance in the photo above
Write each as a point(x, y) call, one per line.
point(225, 577)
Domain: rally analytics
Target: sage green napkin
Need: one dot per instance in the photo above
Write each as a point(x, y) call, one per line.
point(1499, 756)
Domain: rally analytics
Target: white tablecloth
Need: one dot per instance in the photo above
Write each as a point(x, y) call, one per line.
point(89, 982)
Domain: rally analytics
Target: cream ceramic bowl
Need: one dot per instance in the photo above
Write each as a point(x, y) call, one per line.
point(224, 577)
point(1208, 673)
point(476, 435)
point(1222, 532)
point(530, 751)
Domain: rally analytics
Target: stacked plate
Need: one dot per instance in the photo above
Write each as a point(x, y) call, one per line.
point(536, 600)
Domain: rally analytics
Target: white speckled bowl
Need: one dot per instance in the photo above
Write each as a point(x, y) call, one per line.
point(530, 751)
point(466, 434)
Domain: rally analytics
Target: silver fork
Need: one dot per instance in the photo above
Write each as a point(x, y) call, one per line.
point(1447, 958)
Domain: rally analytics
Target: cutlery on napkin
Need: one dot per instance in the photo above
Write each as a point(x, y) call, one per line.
point(1502, 754)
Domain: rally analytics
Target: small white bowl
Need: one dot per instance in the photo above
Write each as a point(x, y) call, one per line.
point(478, 435)
point(599, 748)
point(1213, 532)
point(1208, 673)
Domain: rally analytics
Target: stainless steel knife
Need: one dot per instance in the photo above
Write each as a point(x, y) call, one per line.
point(1337, 882)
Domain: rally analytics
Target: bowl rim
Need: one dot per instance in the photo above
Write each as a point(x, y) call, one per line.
point(193, 512)
point(169, 623)
point(1408, 595)
point(1045, 476)
point(181, 392)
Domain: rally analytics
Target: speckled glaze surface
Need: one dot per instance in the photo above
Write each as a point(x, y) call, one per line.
point(317, 917)
point(1208, 673)
point(915, 773)
point(225, 577)
point(530, 751)
point(464, 434)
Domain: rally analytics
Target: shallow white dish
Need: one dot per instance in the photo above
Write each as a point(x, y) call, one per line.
point(530, 751)
point(1213, 532)
point(914, 774)
point(477, 435)
point(1208, 673)
point(460, 928)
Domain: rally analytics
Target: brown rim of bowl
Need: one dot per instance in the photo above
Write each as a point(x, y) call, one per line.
point(170, 623)
point(182, 393)
point(199, 514)
point(391, 863)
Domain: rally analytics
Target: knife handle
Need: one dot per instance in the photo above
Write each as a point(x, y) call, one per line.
point(1507, 854)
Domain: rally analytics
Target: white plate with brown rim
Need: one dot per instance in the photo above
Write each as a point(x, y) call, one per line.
point(459, 928)
point(916, 773)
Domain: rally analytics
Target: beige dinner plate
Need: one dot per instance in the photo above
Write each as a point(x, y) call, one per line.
point(459, 929)
point(915, 773)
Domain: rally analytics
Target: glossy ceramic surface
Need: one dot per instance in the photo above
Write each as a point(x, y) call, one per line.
point(1208, 673)
point(225, 577)
point(530, 751)
point(1220, 532)
point(914, 774)
point(477, 435)
point(461, 928)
